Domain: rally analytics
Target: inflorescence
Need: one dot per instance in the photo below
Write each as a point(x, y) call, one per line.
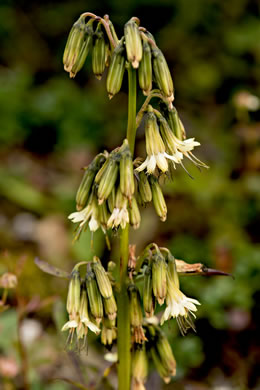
point(113, 188)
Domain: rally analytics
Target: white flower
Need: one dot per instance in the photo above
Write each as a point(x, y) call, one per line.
point(88, 215)
point(94, 328)
point(72, 324)
point(177, 303)
point(160, 160)
point(119, 217)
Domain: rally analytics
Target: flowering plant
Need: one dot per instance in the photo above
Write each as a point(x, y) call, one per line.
point(113, 189)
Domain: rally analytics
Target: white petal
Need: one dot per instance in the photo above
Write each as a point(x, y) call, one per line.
point(176, 157)
point(69, 324)
point(161, 162)
point(142, 166)
point(90, 325)
point(151, 164)
point(78, 216)
point(93, 224)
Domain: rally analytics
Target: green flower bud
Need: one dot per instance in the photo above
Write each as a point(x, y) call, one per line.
point(148, 297)
point(99, 55)
point(127, 184)
point(172, 270)
point(94, 297)
point(162, 74)
point(83, 310)
point(103, 281)
point(78, 46)
point(145, 69)
point(110, 307)
point(139, 368)
point(116, 70)
point(104, 215)
point(107, 180)
point(73, 298)
point(175, 123)
point(158, 199)
point(144, 188)
point(136, 315)
point(134, 214)
point(87, 181)
point(159, 278)
point(162, 371)
point(113, 32)
point(101, 171)
point(165, 354)
point(133, 42)
point(111, 201)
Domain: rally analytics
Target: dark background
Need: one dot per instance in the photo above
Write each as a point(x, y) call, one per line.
point(52, 126)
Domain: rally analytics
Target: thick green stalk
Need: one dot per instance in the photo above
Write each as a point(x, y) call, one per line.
point(123, 319)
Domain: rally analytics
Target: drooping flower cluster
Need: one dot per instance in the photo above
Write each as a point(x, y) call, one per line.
point(157, 349)
point(91, 301)
point(105, 197)
point(162, 145)
point(161, 283)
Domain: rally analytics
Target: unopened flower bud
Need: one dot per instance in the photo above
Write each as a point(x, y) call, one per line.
point(133, 42)
point(127, 184)
point(144, 188)
point(159, 278)
point(110, 307)
point(107, 180)
point(103, 281)
point(116, 70)
point(136, 315)
point(101, 171)
point(113, 32)
point(73, 298)
point(99, 55)
point(162, 74)
point(165, 355)
point(139, 368)
point(94, 297)
point(145, 69)
point(158, 199)
point(104, 215)
point(134, 214)
point(78, 46)
point(111, 200)
point(87, 181)
point(172, 270)
point(148, 296)
point(175, 123)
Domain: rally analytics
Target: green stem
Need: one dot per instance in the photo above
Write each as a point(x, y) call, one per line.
point(123, 319)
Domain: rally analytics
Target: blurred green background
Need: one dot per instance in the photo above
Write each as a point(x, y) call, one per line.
point(52, 126)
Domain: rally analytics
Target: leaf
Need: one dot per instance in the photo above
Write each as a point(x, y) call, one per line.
point(50, 269)
point(184, 268)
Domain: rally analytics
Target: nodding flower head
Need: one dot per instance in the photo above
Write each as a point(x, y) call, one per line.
point(178, 305)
